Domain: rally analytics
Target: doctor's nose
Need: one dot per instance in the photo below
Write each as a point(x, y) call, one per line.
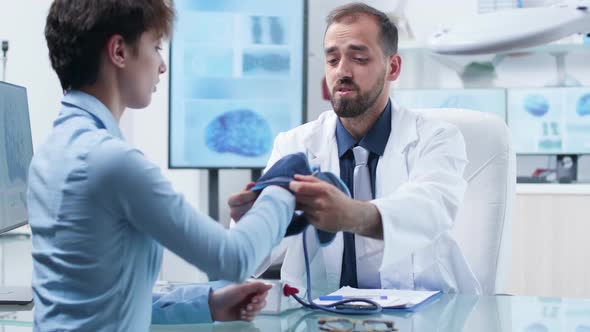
point(343, 70)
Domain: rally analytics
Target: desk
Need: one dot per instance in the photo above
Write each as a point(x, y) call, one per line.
point(448, 313)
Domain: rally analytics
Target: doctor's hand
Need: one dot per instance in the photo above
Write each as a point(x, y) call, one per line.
point(329, 209)
point(238, 302)
point(242, 202)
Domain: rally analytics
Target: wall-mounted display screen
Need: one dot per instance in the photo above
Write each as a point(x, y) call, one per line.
point(237, 78)
point(550, 120)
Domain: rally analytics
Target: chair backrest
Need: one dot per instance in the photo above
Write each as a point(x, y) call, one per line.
point(483, 228)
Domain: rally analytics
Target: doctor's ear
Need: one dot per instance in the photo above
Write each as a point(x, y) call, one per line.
point(394, 67)
point(117, 50)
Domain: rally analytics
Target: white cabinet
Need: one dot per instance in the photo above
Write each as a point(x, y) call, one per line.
point(551, 246)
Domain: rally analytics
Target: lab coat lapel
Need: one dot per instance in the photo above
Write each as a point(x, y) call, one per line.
point(392, 172)
point(392, 169)
point(321, 147)
point(323, 151)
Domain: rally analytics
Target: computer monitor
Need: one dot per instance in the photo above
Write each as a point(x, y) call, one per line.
point(16, 151)
point(237, 79)
point(483, 100)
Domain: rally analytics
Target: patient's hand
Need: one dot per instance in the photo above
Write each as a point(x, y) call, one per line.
point(242, 202)
point(238, 302)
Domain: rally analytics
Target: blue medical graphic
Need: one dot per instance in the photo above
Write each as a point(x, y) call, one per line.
point(243, 132)
point(536, 105)
point(16, 144)
point(583, 105)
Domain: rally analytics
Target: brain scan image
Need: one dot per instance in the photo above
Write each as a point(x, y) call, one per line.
point(243, 132)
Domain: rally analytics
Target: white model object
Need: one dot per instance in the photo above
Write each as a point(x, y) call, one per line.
point(512, 29)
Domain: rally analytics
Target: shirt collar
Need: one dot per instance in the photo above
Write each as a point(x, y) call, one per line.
point(375, 139)
point(95, 108)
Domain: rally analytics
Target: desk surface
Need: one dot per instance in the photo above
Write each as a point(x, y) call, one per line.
point(448, 313)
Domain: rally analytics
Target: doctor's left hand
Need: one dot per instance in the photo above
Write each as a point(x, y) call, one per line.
point(329, 209)
point(238, 302)
point(242, 202)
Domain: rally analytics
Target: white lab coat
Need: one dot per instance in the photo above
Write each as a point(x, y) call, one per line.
point(419, 187)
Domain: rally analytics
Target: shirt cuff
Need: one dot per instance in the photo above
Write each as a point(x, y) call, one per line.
point(183, 305)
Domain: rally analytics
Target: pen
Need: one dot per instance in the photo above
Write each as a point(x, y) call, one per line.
point(341, 297)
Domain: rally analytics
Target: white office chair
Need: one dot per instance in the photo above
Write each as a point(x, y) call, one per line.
point(483, 228)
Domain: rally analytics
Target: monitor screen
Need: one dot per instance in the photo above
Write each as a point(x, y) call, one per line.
point(16, 151)
point(237, 78)
point(484, 100)
point(550, 120)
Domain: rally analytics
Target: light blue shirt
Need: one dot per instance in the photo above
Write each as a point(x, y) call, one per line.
point(99, 212)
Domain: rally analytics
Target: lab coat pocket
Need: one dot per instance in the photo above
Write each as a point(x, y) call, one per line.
point(428, 271)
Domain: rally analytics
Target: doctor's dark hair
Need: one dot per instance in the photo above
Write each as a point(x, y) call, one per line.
point(77, 31)
point(388, 30)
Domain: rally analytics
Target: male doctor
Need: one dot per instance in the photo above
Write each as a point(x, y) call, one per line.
point(397, 234)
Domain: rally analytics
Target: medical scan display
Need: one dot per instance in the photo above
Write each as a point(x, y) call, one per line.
point(236, 80)
point(550, 120)
point(16, 151)
point(483, 100)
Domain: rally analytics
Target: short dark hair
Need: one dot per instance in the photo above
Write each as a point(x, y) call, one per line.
point(77, 30)
point(388, 30)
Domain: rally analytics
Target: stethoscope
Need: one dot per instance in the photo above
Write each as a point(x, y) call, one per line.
point(375, 308)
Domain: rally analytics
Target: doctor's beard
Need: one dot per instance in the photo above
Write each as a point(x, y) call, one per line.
point(351, 107)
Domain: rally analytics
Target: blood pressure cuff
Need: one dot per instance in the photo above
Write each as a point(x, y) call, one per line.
point(283, 172)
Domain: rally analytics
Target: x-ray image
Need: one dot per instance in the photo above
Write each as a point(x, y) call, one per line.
point(266, 62)
point(267, 30)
